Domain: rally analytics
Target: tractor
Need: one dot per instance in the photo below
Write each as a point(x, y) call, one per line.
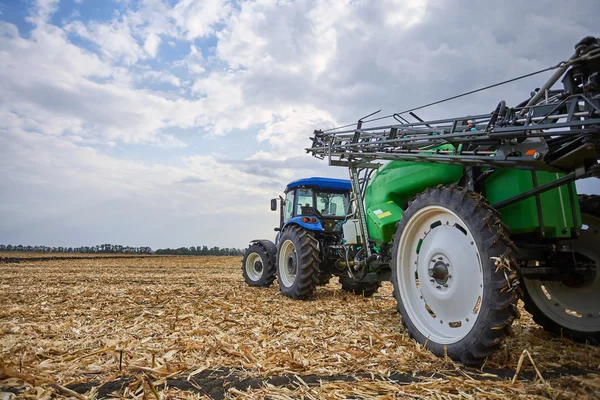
point(464, 215)
point(308, 248)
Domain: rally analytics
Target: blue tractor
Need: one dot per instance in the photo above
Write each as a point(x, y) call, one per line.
point(308, 248)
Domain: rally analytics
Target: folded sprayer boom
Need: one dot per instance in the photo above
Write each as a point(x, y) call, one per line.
point(554, 130)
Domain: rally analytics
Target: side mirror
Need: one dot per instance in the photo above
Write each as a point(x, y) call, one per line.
point(273, 204)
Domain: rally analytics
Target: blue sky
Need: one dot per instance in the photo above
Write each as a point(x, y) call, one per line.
point(173, 122)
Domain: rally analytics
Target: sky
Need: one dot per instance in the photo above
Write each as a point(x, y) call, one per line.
point(169, 123)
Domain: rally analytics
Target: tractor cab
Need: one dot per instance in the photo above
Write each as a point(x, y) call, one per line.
point(320, 204)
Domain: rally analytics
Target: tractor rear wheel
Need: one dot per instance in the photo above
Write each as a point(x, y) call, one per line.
point(454, 274)
point(572, 309)
point(297, 263)
point(257, 267)
point(366, 289)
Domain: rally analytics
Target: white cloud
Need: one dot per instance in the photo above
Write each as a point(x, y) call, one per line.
point(115, 40)
point(151, 44)
point(161, 76)
point(403, 14)
point(193, 62)
point(284, 133)
point(44, 9)
point(197, 18)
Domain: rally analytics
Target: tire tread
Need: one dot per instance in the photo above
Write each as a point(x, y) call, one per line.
point(269, 269)
point(307, 275)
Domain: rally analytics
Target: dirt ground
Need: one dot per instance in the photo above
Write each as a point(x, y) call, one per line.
point(189, 327)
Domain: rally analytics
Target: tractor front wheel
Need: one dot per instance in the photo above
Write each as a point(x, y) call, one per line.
point(453, 274)
point(257, 267)
point(297, 263)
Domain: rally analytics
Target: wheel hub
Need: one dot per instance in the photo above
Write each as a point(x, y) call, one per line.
point(258, 266)
point(292, 264)
point(254, 266)
point(439, 270)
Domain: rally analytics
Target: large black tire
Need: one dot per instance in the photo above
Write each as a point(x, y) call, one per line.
point(473, 228)
point(298, 253)
point(257, 267)
point(366, 289)
point(589, 242)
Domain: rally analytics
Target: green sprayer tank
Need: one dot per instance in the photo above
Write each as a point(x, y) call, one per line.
point(398, 181)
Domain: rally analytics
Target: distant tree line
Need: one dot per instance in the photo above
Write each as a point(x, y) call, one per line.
point(118, 249)
point(202, 251)
point(98, 249)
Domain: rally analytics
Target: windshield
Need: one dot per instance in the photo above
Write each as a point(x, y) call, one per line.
point(305, 199)
point(332, 204)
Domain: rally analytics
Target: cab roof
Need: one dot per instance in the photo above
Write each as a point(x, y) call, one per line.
point(342, 185)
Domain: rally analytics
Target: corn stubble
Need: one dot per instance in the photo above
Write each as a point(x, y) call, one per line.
point(151, 321)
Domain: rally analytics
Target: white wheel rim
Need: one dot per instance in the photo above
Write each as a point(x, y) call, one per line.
point(287, 271)
point(443, 307)
point(254, 266)
point(576, 308)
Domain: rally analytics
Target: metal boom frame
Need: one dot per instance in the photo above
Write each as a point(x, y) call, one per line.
point(553, 130)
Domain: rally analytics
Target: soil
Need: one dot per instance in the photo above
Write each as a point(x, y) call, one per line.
point(115, 326)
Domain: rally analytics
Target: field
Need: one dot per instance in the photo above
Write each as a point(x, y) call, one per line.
point(189, 327)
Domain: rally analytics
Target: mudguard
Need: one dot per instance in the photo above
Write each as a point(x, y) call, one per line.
point(311, 226)
point(269, 246)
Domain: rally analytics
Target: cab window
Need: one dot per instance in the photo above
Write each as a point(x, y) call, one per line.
point(332, 204)
point(305, 199)
point(289, 205)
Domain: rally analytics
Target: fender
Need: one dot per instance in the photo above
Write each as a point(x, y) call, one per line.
point(269, 246)
point(311, 226)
